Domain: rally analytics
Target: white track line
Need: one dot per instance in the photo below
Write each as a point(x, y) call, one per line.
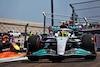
point(12, 59)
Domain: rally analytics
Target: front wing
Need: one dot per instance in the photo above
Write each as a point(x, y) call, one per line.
point(75, 52)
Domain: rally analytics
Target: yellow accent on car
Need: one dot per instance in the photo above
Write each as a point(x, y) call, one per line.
point(61, 38)
point(16, 47)
point(62, 33)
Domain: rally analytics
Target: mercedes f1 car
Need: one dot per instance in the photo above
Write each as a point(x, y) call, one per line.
point(60, 44)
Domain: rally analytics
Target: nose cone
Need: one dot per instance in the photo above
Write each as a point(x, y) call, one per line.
point(61, 45)
point(60, 52)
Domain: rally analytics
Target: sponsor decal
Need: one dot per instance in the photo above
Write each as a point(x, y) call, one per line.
point(61, 38)
point(62, 41)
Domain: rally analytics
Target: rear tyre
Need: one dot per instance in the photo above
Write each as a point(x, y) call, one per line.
point(25, 44)
point(89, 46)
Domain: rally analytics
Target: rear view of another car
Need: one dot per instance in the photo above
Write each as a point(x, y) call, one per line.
point(14, 33)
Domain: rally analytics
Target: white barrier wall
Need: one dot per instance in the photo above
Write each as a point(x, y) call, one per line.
point(6, 27)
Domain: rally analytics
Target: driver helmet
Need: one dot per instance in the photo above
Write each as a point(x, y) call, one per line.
point(5, 38)
point(63, 33)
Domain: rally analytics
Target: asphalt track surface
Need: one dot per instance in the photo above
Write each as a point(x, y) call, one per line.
point(70, 62)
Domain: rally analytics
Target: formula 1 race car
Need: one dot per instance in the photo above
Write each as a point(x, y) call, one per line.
point(7, 44)
point(60, 44)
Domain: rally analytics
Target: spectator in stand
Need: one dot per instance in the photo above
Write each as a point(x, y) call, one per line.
point(30, 34)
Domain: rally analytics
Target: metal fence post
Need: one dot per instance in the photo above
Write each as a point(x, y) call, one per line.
point(52, 20)
point(26, 31)
point(44, 21)
point(73, 14)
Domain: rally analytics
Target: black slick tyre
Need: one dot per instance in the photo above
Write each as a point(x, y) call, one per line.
point(90, 57)
point(89, 46)
point(1, 47)
point(33, 46)
point(33, 58)
point(56, 60)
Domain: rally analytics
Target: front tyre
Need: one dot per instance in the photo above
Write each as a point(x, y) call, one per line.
point(56, 60)
point(90, 57)
point(33, 58)
point(89, 46)
point(33, 45)
point(1, 47)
